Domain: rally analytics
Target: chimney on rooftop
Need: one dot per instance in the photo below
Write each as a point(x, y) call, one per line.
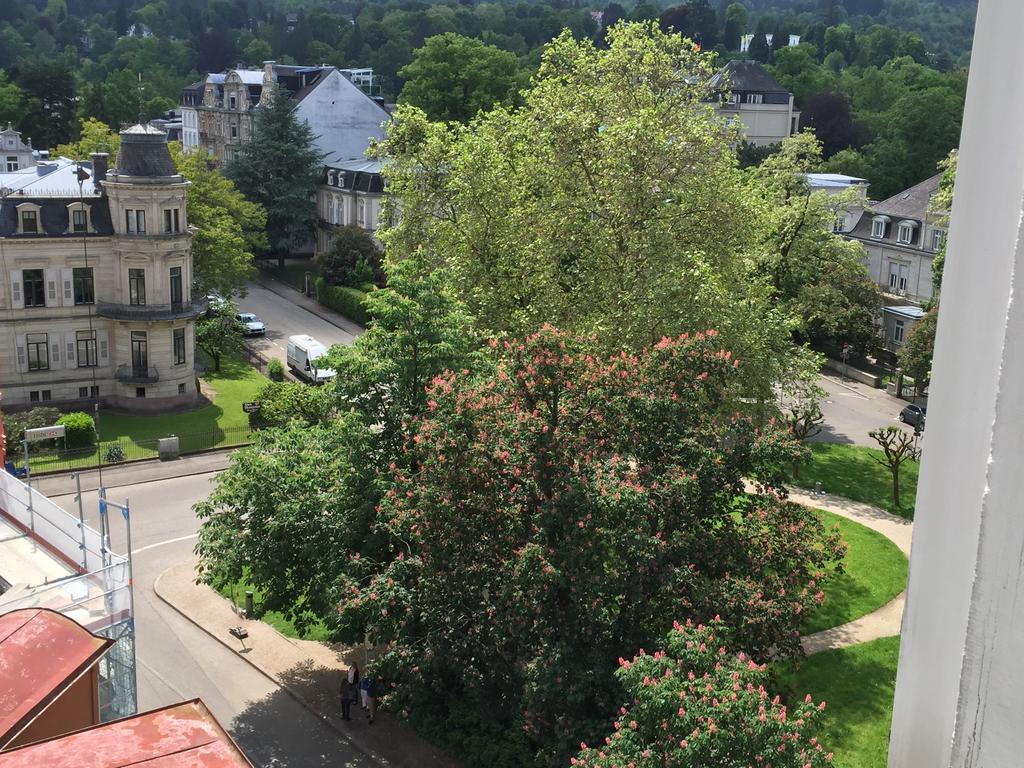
point(268, 69)
point(99, 166)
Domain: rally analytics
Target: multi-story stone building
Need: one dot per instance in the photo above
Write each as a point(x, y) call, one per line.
point(333, 102)
point(350, 192)
point(95, 281)
point(755, 98)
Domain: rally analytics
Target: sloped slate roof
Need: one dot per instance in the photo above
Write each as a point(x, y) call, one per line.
point(739, 75)
point(910, 203)
point(53, 216)
point(144, 153)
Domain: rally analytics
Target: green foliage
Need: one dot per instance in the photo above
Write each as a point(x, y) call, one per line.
point(695, 703)
point(350, 302)
point(275, 370)
point(290, 510)
point(453, 77)
point(278, 168)
point(942, 205)
point(79, 429)
point(113, 454)
point(12, 102)
point(229, 228)
point(117, 101)
point(351, 257)
point(609, 203)
point(915, 356)
point(50, 100)
point(282, 402)
point(419, 330)
point(219, 335)
point(571, 505)
point(853, 471)
point(93, 136)
point(15, 425)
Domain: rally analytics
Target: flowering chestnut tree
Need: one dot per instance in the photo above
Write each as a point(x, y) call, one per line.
point(565, 507)
point(696, 704)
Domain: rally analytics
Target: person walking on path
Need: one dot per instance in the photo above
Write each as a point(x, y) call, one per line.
point(371, 697)
point(348, 694)
point(363, 687)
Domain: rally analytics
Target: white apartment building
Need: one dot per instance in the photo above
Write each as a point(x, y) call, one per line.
point(95, 281)
point(17, 154)
point(755, 98)
point(350, 192)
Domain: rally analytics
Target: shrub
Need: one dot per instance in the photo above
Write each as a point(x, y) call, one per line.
point(15, 425)
point(114, 454)
point(79, 429)
point(275, 370)
point(344, 300)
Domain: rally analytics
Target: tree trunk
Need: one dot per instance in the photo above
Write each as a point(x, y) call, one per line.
point(796, 470)
point(896, 486)
point(216, 362)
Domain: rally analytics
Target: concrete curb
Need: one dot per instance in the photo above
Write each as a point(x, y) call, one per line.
point(369, 754)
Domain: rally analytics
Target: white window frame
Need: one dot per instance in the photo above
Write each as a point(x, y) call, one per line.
point(898, 332)
point(12, 163)
point(905, 233)
point(878, 228)
point(23, 208)
point(74, 208)
point(938, 238)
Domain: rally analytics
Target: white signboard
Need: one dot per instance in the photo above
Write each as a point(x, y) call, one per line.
point(44, 433)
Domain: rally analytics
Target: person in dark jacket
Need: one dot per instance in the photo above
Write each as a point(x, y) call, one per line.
point(371, 697)
point(349, 691)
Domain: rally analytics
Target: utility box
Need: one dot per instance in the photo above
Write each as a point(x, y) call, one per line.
point(169, 448)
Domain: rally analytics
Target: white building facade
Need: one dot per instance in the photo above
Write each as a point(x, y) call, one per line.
point(351, 192)
point(754, 98)
point(95, 282)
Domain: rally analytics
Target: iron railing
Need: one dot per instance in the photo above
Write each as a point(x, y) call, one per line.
point(179, 310)
point(129, 374)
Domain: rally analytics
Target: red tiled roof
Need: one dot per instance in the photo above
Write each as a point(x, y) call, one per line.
point(184, 735)
point(41, 654)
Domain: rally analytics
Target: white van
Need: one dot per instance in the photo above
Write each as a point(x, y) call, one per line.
point(303, 354)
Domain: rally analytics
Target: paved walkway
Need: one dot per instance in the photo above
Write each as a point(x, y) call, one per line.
point(885, 621)
point(309, 671)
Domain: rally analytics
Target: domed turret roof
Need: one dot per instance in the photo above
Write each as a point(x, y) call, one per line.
point(144, 153)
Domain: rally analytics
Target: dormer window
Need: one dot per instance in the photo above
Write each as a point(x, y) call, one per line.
point(905, 232)
point(878, 225)
point(28, 219)
point(78, 218)
point(938, 238)
point(755, 98)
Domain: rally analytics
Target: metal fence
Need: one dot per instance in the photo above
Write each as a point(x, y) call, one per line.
point(113, 452)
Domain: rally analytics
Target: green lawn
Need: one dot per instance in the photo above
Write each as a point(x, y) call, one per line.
point(219, 424)
point(294, 272)
point(236, 593)
point(857, 684)
point(875, 571)
point(851, 471)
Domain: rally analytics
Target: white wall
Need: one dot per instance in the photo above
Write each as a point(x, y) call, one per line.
point(960, 681)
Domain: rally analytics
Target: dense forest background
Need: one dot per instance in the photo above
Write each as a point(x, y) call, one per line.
point(880, 81)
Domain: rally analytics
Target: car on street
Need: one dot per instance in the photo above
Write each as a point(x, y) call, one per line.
point(215, 303)
point(251, 325)
point(914, 415)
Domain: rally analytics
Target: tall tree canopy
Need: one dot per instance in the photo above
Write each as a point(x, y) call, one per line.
point(279, 168)
point(453, 77)
point(608, 203)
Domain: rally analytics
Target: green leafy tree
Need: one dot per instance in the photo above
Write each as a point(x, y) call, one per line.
point(93, 136)
point(898, 447)
point(453, 77)
point(219, 334)
point(798, 70)
point(117, 101)
point(696, 704)
point(610, 203)
point(12, 102)
point(50, 100)
point(279, 168)
point(915, 356)
point(420, 330)
point(736, 21)
point(290, 511)
point(942, 205)
point(229, 228)
point(818, 275)
point(560, 509)
point(759, 50)
point(282, 402)
point(352, 252)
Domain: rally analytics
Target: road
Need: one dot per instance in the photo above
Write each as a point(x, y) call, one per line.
point(284, 318)
point(178, 661)
point(852, 410)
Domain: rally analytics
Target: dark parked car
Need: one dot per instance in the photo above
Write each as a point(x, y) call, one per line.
point(914, 415)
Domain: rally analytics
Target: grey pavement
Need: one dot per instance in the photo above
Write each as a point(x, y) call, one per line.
point(287, 312)
point(851, 410)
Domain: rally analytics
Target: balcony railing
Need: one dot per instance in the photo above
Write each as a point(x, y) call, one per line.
point(130, 374)
point(176, 311)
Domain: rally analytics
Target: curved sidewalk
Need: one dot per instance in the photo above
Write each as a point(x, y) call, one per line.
point(884, 621)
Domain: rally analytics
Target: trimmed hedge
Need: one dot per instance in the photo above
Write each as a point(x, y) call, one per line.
point(344, 300)
point(275, 370)
point(79, 429)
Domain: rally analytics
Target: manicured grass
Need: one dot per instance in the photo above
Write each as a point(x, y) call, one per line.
point(857, 684)
point(236, 593)
point(875, 571)
point(852, 471)
point(216, 425)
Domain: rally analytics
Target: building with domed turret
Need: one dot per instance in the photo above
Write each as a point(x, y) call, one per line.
point(96, 302)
